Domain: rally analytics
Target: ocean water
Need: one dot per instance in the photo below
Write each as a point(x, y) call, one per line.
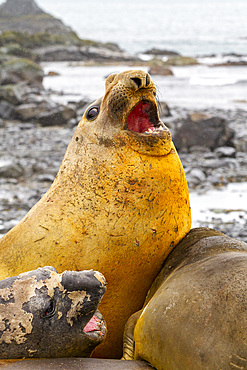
point(194, 87)
point(191, 27)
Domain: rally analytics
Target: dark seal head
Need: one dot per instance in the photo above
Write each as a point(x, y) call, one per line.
point(195, 313)
point(46, 314)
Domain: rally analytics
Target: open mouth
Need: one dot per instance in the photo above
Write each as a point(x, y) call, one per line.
point(95, 328)
point(143, 118)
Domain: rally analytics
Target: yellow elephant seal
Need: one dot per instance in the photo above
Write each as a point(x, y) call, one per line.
point(118, 205)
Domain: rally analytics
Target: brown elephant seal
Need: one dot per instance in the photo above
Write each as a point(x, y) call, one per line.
point(46, 314)
point(195, 314)
point(118, 205)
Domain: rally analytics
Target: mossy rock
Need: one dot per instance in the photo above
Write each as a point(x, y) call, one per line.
point(12, 93)
point(18, 51)
point(181, 61)
point(30, 41)
point(21, 69)
point(26, 40)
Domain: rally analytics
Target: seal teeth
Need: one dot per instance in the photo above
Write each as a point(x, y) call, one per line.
point(154, 130)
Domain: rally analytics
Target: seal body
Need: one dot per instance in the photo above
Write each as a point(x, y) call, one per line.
point(195, 313)
point(118, 205)
point(46, 314)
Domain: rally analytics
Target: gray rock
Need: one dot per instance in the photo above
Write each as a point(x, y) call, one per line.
point(13, 93)
point(164, 109)
point(64, 52)
point(226, 151)
point(195, 176)
point(240, 142)
point(15, 49)
point(218, 179)
point(56, 117)
point(6, 110)
point(155, 51)
point(104, 53)
point(19, 8)
point(10, 169)
point(46, 112)
point(21, 69)
point(45, 177)
point(59, 53)
point(211, 133)
point(28, 111)
point(5, 227)
point(199, 149)
point(160, 70)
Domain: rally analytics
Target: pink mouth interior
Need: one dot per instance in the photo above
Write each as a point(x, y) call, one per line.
point(92, 325)
point(139, 118)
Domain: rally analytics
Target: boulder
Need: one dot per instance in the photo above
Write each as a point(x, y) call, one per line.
point(57, 117)
point(161, 52)
point(99, 53)
point(59, 53)
point(238, 63)
point(17, 50)
point(21, 69)
point(13, 93)
point(198, 116)
point(7, 110)
point(180, 61)
point(164, 109)
point(226, 151)
point(160, 70)
point(211, 133)
point(29, 111)
point(10, 169)
point(195, 176)
point(46, 113)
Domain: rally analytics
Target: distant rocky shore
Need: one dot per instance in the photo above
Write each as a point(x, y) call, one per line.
point(35, 130)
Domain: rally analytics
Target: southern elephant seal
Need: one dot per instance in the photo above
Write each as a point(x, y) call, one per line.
point(195, 314)
point(118, 205)
point(46, 314)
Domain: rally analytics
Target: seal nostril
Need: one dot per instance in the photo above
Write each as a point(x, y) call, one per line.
point(148, 79)
point(137, 81)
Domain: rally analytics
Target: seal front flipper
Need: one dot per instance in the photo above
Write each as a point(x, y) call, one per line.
point(128, 338)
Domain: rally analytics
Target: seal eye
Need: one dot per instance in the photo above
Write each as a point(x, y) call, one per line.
point(49, 310)
point(92, 112)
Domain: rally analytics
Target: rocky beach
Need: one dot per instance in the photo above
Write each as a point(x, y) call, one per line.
point(35, 128)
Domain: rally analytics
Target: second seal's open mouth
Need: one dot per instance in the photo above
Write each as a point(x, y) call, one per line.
point(95, 328)
point(143, 118)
